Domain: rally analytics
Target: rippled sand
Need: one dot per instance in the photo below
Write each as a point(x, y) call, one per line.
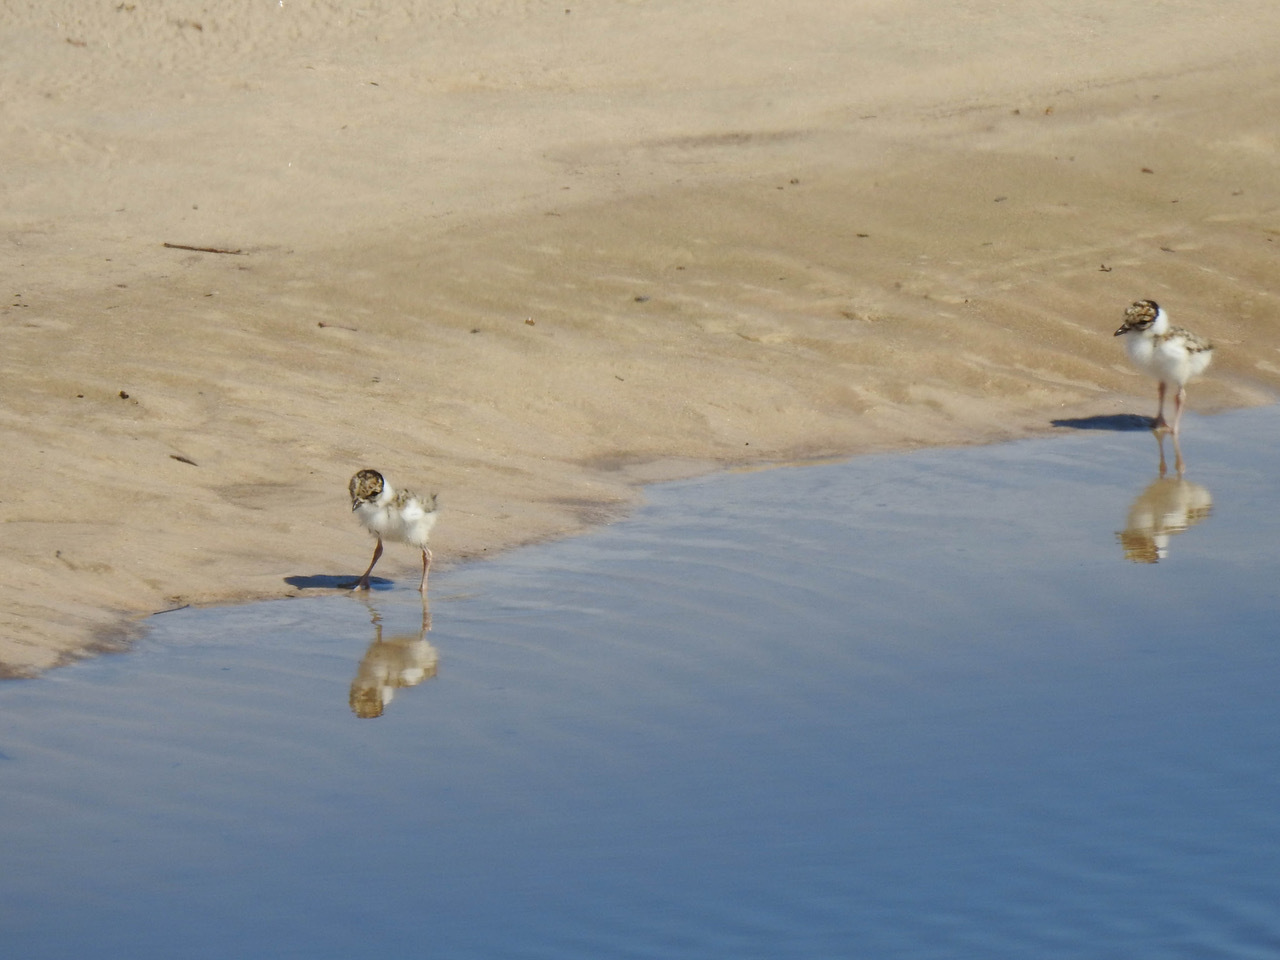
point(531, 255)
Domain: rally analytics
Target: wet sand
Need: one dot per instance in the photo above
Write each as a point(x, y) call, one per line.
point(532, 257)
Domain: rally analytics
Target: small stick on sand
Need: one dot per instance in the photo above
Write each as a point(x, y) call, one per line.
point(183, 246)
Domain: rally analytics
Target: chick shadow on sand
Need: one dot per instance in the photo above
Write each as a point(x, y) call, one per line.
point(1118, 422)
point(1166, 507)
point(326, 581)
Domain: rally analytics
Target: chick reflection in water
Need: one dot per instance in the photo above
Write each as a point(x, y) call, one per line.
point(391, 664)
point(1167, 507)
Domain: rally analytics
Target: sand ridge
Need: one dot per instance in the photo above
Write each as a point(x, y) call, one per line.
point(532, 256)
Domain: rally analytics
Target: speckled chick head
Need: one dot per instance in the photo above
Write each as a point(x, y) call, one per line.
point(366, 486)
point(1139, 315)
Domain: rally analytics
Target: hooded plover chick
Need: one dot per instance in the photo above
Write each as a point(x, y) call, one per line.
point(391, 514)
point(1169, 354)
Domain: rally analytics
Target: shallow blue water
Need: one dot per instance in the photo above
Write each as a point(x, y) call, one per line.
point(918, 706)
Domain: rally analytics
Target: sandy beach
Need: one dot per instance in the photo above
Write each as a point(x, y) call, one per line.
point(532, 256)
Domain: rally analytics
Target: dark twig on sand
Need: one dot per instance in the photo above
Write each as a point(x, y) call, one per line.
point(183, 246)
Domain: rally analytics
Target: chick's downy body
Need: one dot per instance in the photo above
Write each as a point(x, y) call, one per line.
point(400, 516)
point(1168, 354)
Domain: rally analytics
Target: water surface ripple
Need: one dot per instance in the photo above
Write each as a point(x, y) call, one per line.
point(997, 702)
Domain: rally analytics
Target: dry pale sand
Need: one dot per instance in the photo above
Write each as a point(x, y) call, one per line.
point(532, 254)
